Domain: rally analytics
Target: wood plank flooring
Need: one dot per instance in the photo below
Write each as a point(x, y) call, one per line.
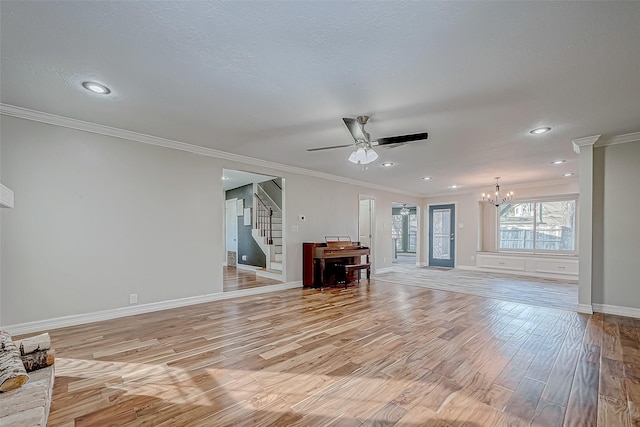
point(383, 355)
point(235, 279)
point(554, 293)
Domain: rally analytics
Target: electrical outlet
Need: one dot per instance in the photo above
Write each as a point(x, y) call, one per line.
point(133, 298)
point(244, 257)
point(473, 257)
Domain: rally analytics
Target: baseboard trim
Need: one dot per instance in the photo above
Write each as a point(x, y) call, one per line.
point(384, 270)
point(617, 310)
point(79, 319)
point(585, 308)
point(246, 267)
point(269, 274)
point(571, 278)
point(467, 267)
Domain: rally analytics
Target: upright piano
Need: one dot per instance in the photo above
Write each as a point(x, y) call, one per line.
point(338, 260)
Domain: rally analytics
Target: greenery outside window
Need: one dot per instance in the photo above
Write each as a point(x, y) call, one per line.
point(538, 226)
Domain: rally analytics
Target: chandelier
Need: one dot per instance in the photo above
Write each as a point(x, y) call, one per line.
point(497, 198)
point(405, 210)
point(363, 154)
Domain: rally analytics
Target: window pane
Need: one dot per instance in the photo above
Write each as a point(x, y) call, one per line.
point(555, 226)
point(413, 232)
point(396, 231)
point(441, 234)
point(516, 226)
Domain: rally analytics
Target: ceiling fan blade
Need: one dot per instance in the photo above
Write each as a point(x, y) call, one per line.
point(403, 139)
point(330, 148)
point(355, 128)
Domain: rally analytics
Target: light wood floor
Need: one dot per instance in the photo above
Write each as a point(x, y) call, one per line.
point(553, 293)
point(234, 279)
point(381, 354)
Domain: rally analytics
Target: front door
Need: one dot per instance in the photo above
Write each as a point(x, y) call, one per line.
point(442, 235)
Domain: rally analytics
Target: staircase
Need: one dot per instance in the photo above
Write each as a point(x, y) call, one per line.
point(267, 232)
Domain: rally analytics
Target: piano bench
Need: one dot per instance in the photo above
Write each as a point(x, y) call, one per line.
point(354, 267)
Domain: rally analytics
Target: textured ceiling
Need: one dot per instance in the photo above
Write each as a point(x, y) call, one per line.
point(234, 179)
point(270, 79)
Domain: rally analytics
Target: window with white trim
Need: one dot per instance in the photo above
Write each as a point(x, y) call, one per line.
point(538, 226)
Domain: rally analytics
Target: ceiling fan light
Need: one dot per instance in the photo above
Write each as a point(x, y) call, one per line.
point(370, 155)
point(358, 156)
point(352, 157)
point(363, 156)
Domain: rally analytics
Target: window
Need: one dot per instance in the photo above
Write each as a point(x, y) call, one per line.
point(396, 231)
point(540, 226)
point(404, 230)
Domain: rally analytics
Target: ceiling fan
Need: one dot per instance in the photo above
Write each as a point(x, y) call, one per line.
point(364, 152)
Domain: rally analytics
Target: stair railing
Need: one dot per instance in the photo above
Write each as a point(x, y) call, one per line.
point(267, 198)
point(264, 219)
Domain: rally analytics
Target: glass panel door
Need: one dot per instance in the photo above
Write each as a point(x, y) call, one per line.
point(442, 235)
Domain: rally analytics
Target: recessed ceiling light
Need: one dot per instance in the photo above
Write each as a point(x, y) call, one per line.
point(387, 164)
point(96, 88)
point(567, 174)
point(558, 162)
point(538, 131)
point(454, 186)
point(224, 178)
point(426, 178)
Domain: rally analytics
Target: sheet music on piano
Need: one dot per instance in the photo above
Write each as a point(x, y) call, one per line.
point(339, 241)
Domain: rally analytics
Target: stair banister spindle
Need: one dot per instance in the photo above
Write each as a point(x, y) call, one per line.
point(265, 223)
point(270, 226)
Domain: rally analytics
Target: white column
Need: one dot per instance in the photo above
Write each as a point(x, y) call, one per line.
point(584, 147)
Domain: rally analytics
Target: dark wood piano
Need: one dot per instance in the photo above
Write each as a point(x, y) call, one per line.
point(338, 260)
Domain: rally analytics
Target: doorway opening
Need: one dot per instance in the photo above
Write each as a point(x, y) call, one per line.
point(366, 225)
point(404, 233)
point(254, 232)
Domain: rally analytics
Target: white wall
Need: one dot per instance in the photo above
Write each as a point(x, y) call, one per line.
point(616, 244)
point(98, 218)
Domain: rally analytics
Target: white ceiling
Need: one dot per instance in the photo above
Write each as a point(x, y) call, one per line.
point(233, 179)
point(270, 79)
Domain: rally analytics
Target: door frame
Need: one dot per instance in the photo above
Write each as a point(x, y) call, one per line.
point(229, 202)
point(372, 225)
point(419, 233)
point(427, 227)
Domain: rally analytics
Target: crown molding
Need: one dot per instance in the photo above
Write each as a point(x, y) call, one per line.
point(52, 119)
point(479, 188)
point(583, 142)
point(619, 139)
